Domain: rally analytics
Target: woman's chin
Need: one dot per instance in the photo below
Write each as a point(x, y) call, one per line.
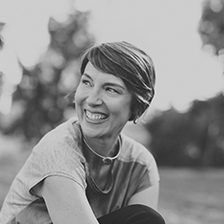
point(91, 132)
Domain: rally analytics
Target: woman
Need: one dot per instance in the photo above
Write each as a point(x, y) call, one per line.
point(86, 170)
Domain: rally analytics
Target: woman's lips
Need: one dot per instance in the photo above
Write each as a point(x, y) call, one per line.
point(95, 116)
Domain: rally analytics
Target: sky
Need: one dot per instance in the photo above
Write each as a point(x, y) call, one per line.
point(166, 30)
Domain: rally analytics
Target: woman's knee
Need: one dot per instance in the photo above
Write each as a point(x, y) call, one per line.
point(145, 214)
point(133, 214)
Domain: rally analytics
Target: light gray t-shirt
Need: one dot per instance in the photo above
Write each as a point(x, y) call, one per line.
point(59, 153)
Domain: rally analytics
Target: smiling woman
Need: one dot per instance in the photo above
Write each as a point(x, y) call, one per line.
point(98, 103)
point(86, 170)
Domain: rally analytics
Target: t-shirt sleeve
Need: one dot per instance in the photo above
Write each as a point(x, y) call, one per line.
point(149, 175)
point(58, 158)
point(57, 154)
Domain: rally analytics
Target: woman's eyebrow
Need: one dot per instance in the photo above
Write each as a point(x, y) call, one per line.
point(106, 83)
point(88, 76)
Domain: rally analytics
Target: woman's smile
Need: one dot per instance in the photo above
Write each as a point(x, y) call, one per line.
point(95, 116)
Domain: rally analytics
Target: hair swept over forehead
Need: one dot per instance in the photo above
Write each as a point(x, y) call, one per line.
point(127, 62)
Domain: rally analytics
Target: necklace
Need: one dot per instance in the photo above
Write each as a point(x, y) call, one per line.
point(106, 160)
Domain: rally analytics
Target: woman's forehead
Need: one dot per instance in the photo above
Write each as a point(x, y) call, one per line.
point(92, 72)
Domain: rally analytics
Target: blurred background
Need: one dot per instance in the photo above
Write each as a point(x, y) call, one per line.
point(40, 49)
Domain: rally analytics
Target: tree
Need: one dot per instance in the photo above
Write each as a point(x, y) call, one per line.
point(194, 138)
point(211, 26)
point(211, 29)
point(41, 95)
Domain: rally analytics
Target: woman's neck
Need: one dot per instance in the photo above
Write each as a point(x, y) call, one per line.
point(102, 147)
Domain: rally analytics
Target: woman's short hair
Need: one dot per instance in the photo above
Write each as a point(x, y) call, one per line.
point(129, 63)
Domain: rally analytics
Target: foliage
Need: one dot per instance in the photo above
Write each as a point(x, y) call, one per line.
point(194, 138)
point(40, 98)
point(211, 26)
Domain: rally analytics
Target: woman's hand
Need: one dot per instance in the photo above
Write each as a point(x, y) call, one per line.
point(66, 201)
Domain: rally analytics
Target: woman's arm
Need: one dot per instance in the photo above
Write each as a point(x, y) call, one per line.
point(66, 201)
point(147, 197)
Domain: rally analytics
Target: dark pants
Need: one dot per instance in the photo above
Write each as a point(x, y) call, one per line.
point(133, 214)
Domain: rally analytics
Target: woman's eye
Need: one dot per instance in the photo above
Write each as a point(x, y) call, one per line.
point(86, 82)
point(111, 90)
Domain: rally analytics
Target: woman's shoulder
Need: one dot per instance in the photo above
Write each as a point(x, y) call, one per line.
point(58, 152)
point(69, 128)
point(61, 146)
point(67, 134)
point(133, 150)
point(138, 156)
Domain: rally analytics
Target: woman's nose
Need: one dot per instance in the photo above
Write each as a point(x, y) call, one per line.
point(94, 98)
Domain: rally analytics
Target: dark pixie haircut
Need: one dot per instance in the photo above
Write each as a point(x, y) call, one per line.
point(129, 63)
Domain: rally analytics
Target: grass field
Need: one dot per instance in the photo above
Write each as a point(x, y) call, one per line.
point(192, 196)
point(187, 196)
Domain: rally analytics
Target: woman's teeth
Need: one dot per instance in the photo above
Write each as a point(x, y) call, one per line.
point(95, 117)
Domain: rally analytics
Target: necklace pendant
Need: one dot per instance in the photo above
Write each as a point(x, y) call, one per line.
point(107, 160)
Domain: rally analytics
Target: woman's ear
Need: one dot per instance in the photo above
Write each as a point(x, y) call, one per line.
point(132, 117)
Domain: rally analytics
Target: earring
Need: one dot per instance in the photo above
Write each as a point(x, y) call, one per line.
point(135, 121)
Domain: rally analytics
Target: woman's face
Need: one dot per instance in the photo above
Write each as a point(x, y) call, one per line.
point(102, 103)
